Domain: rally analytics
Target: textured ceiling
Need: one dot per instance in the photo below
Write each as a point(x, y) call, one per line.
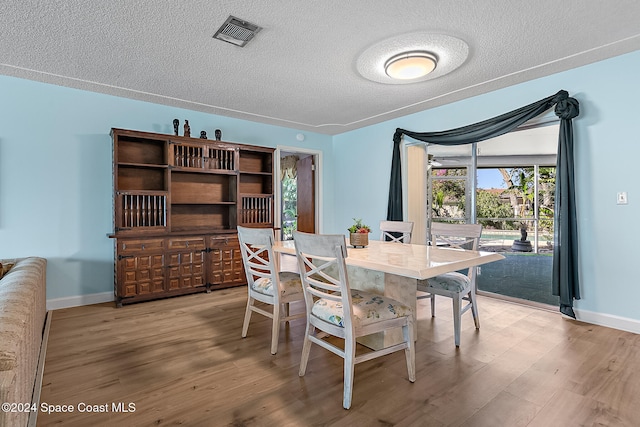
point(301, 70)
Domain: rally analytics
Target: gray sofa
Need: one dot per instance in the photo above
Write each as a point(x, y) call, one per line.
point(23, 315)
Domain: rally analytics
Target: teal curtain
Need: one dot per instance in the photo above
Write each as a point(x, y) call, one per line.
point(565, 249)
point(565, 252)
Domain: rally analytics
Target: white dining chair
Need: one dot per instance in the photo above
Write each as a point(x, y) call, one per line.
point(457, 286)
point(333, 308)
point(265, 283)
point(396, 231)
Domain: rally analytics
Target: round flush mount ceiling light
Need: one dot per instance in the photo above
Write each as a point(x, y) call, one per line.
point(446, 53)
point(410, 65)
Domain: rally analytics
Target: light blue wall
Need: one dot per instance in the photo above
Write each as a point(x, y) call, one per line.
point(56, 177)
point(56, 184)
point(606, 153)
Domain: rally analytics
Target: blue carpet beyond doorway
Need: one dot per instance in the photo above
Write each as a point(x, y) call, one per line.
point(524, 276)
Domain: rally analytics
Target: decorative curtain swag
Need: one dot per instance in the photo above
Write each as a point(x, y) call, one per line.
point(565, 251)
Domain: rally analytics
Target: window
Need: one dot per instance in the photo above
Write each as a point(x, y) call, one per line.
point(448, 194)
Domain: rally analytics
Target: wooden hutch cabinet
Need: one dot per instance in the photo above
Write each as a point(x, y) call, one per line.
point(177, 202)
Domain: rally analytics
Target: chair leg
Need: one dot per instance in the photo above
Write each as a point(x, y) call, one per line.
point(457, 303)
point(474, 308)
point(275, 328)
point(349, 356)
point(247, 317)
point(286, 307)
point(306, 349)
point(410, 351)
point(433, 305)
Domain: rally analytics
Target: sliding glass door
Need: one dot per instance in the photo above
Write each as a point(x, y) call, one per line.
point(515, 207)
point(514, 190)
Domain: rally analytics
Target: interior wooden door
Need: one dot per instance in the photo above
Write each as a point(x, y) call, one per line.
point(306, 195)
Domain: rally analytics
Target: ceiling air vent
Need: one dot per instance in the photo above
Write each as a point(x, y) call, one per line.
point(236, 31)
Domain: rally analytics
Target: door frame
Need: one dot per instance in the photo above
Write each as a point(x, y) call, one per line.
point(318, 193)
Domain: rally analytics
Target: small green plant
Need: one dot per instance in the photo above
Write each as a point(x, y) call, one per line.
point(359, 227)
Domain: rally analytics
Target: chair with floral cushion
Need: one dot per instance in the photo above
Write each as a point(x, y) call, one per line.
point(333, 308)
point(265, 283)
point(457, 286)
point(396, 231)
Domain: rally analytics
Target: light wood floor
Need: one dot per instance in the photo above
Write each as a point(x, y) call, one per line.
point(182, 361)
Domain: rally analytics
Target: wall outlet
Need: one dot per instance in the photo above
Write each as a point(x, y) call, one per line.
point(622, 198)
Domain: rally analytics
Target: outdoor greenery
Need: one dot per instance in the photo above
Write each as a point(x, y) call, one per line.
point(289, 207)
point(546, 196)
point(516, 201)
point(521, 190)
point(449, 193)
point(489, 205)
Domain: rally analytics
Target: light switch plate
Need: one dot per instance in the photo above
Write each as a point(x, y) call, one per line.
point(622, 198)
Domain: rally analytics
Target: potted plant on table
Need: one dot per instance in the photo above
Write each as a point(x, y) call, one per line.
point(359, 233)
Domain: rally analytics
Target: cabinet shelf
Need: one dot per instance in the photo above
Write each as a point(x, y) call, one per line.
point(255, 161)
point(203, 171)
point(203, 203)
point(141, 151)
point(198, 217)
point(256, 184)
point(255, 195)
point(195, 188)
point(143, 192)
point(203, 229)
point(256, 173)
point(141, 178)
point(142, 165)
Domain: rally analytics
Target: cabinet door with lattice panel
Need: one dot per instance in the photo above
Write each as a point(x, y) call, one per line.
point(225, 266)
point(185, 260)
point(140, 269)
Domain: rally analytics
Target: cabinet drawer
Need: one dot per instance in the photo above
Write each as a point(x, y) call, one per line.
point(137, 245)
point(186, 243)
point(220, 241)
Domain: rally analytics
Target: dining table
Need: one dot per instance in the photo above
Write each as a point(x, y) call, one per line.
point(394, 270)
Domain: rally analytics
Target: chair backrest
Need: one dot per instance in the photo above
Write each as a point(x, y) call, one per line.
point(256, 246)
point(462, 236)
point(458, 236)
point(396, 231)
point(321, 261)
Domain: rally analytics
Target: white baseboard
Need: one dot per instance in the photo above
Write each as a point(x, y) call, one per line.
point(66, 302)
point(608, 320)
